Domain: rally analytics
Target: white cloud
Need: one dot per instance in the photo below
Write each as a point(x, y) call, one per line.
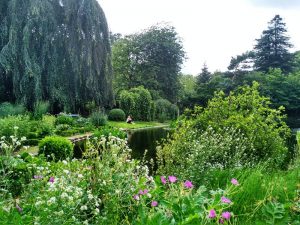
point(212, 31)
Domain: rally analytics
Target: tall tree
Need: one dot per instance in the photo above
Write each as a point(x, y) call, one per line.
point(204, 76)
point(55, 50)
point(272, 49)
point(151, 58)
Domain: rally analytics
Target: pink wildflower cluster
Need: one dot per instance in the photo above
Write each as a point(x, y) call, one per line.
point(172, 179)
point(225, 215)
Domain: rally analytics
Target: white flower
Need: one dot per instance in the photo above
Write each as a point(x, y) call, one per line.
point(80, 176)
point(84, 207)
point(38, 203)
point(96, 211)
point(86, 222)
point(65, 162)
point(51, 201)
point(16, 127)
point(64, 195)
point(23, 138)
point(66, 171)
point(90, 196)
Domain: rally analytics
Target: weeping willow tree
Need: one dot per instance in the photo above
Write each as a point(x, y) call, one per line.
point(55, 50)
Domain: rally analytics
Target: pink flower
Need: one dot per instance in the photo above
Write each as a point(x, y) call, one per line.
point(234, 182)
point(141, 192)
point(188, 184)
point(172, 179)
point(212, 213)
point(154, 203)
point(221, 221)
point(136, 197)
point(226, 215)
point(163, 179)
point(225, 200)
point(145, 191)
point(51, 180)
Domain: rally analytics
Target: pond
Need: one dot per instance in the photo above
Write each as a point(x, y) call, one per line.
point(146, 139)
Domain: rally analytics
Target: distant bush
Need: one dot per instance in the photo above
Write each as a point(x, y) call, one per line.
point(57, 148)
point(143, 100)
point(64, 119)
point(116, 115)
point(8, 109)
point(127, 102)
point(98, 118)
point(165, 110)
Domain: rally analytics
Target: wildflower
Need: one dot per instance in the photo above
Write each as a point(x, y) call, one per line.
point(38, 177)
point(172, 179)
point(90, 196)
point(141, 192)
point(212, 213)
point(96, 211)
point(225, 200)
point(84, 207)
point(51, 201)
point(65, 162)
point(145, 191)
point(163, 179)
point(19, 208)
point(154, 203)
point(51, 180)
point(136, 197)
point(234, 182)
point(64, 195)
point(80, 176)
point(226, 215)
point(221, 221)
point(188, 184)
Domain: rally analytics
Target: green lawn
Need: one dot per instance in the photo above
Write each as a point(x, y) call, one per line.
point(136, 124)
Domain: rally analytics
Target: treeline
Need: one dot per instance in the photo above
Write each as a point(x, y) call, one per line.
point(270, 63)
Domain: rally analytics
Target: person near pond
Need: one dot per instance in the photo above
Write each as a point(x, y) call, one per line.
point(129, 119)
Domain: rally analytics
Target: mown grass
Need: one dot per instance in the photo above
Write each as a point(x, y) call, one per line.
point(135, 124)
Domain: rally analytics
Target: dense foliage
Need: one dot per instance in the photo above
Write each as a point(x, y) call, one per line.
point(151, 58)
point(56, 148)
point(272, 49)
point(238, 130)
point(57, 51)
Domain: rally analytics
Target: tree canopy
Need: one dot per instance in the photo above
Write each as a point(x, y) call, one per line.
point(55, 50)
point(151, 58)
point(272, 49)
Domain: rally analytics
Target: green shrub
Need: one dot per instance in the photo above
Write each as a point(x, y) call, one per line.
point(56, 148)
point(127, 102)
point(98, 118)
point(8, 109)
point(64, 119)
point(165, 110)
point(62, 127)
point(116, 115)
point(257, 134)
point(19, 126)
point(143, 100)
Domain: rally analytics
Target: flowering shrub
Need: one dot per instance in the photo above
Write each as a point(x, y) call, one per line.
point(200, 152)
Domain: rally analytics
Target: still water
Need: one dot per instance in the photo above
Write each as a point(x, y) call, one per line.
point(146, 139)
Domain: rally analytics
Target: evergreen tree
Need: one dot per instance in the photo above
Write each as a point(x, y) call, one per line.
point(204, 76)
point(272, 49)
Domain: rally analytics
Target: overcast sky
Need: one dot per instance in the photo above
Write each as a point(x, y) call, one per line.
point(211, 30)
